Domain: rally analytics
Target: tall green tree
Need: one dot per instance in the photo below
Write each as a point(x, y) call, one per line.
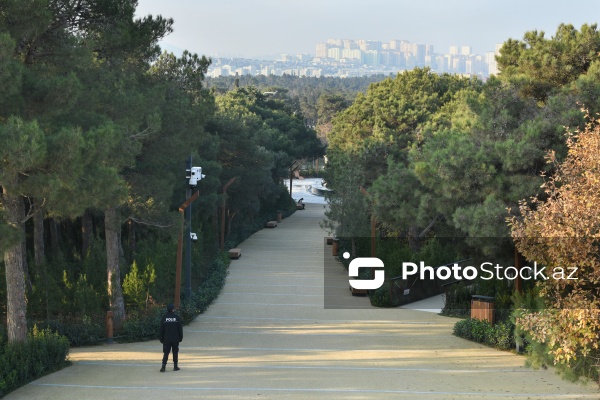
point(544, 65)
point(60, 44)
point(259, 137)
point(378, 131)
point(23, 151)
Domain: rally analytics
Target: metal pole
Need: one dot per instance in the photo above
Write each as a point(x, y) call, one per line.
point(188, 240)
point(182, 209)
point(178, 266)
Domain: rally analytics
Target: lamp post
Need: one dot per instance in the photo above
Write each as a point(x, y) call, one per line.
point(193, 176)
point(188, 241)
point(182, 209)
point(222, 241)
point(295, 165)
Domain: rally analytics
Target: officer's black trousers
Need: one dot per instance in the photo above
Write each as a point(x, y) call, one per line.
point(167, 347)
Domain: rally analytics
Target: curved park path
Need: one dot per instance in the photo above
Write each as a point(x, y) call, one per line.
point(268, 336)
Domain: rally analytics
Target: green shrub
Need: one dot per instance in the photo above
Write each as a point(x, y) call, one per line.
point(143, 326)
point(500, 335)
point(208, 290)
point(381, 297)
point(79, 332)
point(44, 351)
point(136, 285)
point(161, 254)
point(458, 300)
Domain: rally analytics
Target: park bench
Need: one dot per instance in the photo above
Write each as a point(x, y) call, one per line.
point(235, 253)
point(271, 224)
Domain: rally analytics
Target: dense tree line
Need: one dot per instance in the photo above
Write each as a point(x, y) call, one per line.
point(96, 124)
point(304, 93)
point(446, 156)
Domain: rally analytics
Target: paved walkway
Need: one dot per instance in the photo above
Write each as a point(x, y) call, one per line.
point(268, 336)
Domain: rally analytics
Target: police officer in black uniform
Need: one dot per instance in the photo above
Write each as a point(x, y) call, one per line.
point(171, 333)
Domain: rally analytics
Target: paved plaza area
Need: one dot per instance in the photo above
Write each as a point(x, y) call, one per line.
point(268, 336)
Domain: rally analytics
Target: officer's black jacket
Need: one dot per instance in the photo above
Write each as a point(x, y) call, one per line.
point(171, 329)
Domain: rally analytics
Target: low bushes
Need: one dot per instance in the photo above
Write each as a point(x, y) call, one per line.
point(500, 335)
point(458, 300)
point(145, 326)
point(79, 331)
point(44, 351)
point(208, 290)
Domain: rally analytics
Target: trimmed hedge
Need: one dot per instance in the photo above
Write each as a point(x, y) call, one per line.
point(500, 335)
point(208, 291)
point(43, 352)
point(143, 327)
point(79, 332)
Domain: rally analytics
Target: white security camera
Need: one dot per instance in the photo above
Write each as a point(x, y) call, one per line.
point(194, 237)
point(195, 175)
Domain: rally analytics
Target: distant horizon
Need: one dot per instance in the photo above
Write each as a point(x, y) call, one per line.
point(177, 50)
point(263, 29)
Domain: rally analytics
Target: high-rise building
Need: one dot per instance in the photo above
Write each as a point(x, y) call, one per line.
point(351, 54)
point(370, 57)
point(321, 50)
point(335, 53)
point(366, 45)
point(490, 60)
point(419, 54)
point(395, 44)
point(349, 44)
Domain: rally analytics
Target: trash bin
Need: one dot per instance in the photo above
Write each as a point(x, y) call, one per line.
point(335, 247)
point(482, 308)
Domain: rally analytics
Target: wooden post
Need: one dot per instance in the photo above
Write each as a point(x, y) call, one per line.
point(223, 208)
point(518, 266)
point(109, 327)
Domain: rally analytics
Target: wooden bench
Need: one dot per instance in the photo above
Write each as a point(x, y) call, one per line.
point(299, 207)
point(356, 292)
point(235, 253)
point(271, 224)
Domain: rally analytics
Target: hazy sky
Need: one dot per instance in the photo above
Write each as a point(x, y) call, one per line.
point(257, 28)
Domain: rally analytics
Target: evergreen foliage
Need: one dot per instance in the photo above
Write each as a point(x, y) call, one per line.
point(499, 335)
point(41, 353)
point(443, 156)
point(96, 124)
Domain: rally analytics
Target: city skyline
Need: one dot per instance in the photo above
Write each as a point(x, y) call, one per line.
point(266, 28)
point(347, 58)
